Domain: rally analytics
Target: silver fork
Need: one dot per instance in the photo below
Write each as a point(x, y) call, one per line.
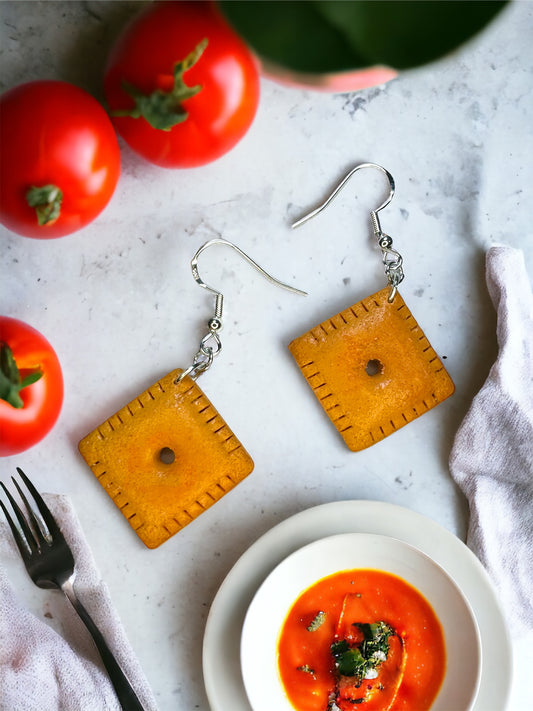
point(50, 564)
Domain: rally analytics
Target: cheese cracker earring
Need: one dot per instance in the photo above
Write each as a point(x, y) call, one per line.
point(168, 455)
point(371, 367)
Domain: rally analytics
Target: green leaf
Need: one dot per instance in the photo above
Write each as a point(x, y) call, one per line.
point(306, 669)
point(292, 34)
point(9, 393)
point(8, 365)
point(10, 381)
point(403, 34)
point(352, 663)
point(164, 109)
point(324, 36)
point(317, 622)
point(47, 201)
point(359, 660)
point(338, 648)
point(30, 379)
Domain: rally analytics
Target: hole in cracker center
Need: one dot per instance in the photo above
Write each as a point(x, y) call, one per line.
point(374, 367)
point(167, 455)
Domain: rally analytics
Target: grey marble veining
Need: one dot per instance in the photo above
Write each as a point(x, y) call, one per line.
point(118, 302)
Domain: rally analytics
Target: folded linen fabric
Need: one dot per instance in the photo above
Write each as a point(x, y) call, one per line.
point(492, 455)
point(40, 669)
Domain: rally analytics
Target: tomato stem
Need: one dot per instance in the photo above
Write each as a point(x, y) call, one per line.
point(10, 381)
point(163, 109)
point(47, 203)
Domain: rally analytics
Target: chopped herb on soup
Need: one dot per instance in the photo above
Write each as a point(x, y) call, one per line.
point(380, 648)
point(317, 622)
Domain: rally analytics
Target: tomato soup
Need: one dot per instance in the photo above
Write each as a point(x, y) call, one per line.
point(361, 639)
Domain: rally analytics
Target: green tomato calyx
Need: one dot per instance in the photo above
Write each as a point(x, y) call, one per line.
point(11, 382)
point(164, 109)
point(47, 203)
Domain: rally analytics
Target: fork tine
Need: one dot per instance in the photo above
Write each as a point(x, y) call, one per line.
point(26, 543)
point(37, 521)
point(49, 520)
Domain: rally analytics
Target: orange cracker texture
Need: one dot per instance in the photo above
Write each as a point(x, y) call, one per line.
point(372, 369)
point(159, 499)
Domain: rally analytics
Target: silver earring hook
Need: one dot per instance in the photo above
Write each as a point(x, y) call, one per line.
point(391, 258)
point(207, 351)
point(219, 299)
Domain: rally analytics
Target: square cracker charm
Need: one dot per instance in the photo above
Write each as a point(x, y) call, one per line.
point(165, 458)
point(372, 369)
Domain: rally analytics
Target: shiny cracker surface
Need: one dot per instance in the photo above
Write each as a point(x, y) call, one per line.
point(169, 421)
point(372, 369)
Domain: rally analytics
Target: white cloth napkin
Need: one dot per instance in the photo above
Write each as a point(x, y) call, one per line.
point(41, 670)
point(492, 456)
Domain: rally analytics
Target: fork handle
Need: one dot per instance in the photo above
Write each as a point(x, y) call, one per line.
point(123, 689)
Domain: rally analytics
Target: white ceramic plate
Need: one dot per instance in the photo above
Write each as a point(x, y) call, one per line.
point(300, 570)
point(221, 649)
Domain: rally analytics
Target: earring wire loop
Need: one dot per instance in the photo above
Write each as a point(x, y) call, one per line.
point(341, 185)
point(204, 356)
point(391, 258)
point(219, 299)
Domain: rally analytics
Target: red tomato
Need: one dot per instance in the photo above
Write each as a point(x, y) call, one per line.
point(223, 79)
point(22, 427)
point(54, 136)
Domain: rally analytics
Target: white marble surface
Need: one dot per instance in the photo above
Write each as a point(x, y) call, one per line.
point(118, 302)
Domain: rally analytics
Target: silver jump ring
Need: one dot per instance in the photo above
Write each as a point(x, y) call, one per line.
point(202, 361)
point(205, 349)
